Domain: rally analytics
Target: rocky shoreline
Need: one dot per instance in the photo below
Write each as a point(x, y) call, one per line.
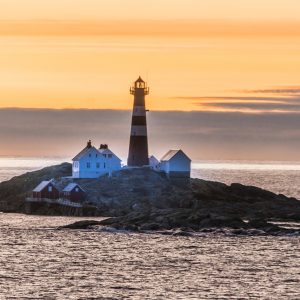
point(184, 223)
point(143, 200)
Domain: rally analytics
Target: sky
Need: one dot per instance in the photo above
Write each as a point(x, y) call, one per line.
point(233, 60)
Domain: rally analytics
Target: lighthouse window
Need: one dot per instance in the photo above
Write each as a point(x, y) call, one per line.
point(88, 165)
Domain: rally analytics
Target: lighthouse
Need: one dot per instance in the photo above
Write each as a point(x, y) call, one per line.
point(138, 147)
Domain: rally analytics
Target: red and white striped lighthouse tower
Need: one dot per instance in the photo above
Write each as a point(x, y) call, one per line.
point(138, 148)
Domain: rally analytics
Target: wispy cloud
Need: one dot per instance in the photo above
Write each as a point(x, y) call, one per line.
point(230, 98)
point(284, 100)
point(255, 107)
point(281, 91)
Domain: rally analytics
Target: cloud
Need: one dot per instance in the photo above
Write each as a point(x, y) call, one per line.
point(203, 135)
point(284, 100)
point(248, 104)
point(229, 98)
point(281, 91)
point(260, 107)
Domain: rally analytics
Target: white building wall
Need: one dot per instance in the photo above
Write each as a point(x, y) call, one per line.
point(179, 163)
point(75, 169)
point(177, 166)
point(154, 163)
point(93, 164)
point(164, 166)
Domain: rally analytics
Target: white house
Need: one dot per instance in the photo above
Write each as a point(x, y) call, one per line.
point(176, 164)
point(92, 162)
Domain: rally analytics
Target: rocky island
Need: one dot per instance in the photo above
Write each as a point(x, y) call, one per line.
point(141, 200)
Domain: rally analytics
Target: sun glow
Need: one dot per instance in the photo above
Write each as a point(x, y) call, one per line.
point(85, 54)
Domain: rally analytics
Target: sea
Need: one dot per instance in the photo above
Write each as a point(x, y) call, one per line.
point(37, 261)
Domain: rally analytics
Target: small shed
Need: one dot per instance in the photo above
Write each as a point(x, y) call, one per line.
point(154, 163)
point(74, 192)
point(46, 189)
point(176, 164)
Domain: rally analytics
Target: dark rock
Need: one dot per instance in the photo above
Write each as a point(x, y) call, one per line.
point(143, 198)
point(263, 225)
point(182, 233)
point(221, 221)
point(85, 224)
point(240, 232)
point(131, 228)
point(150, 226)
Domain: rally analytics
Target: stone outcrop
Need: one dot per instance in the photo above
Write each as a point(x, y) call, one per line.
point(13, 192)
point(142, 199)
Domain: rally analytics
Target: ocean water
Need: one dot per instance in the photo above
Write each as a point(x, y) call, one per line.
point(14, 166)
point(39, 262)
point(278, 177)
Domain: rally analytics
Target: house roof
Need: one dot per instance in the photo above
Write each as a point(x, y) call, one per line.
point(171, 153)
point(154, 159)
point(107, 151)
point(83, 152)
point(71, 186)
point(103, 150)
point(41, 186)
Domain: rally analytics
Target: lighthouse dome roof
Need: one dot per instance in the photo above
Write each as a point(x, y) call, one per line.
point(140, 79)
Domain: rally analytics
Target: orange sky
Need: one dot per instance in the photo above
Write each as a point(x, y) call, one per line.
point(85, 53)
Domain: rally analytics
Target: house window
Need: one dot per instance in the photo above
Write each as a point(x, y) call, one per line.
point(77, 190)
point(104, 165)
point(88, 165)
point(97, 165)
point(90, 155)
point(104, 155)
point(49, 188)
point(96, 155)
point(109, 155)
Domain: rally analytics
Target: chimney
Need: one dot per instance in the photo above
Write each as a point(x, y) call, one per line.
point(89, 144)
point(103, 146)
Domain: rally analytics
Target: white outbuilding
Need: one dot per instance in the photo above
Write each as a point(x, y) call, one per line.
point(154, 163)
point(176, 164)
point(92, 162)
